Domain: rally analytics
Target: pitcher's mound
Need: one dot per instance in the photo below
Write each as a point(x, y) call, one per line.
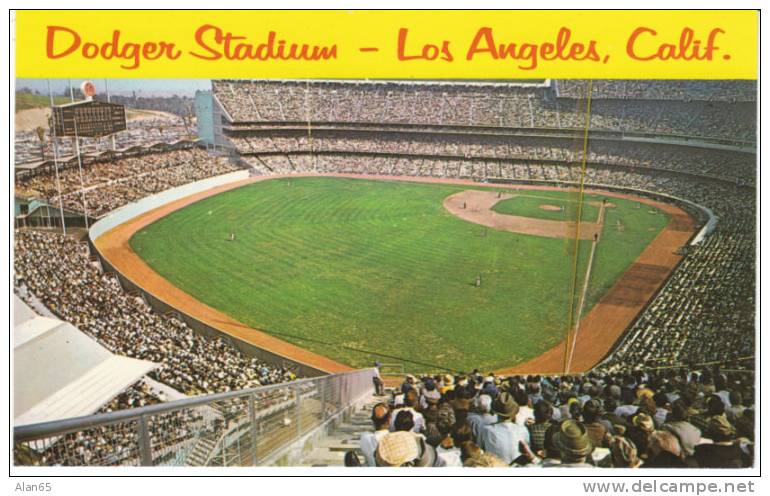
point(475, 206)
point(550, 208)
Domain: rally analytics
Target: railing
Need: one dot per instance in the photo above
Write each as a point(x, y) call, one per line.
point(226, 429)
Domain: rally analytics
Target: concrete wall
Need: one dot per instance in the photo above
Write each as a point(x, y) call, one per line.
point(128, 212)
point(146, 204)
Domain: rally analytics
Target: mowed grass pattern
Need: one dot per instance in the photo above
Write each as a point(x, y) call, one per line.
point(349, 268)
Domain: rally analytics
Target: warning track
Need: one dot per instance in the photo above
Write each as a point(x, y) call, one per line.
point(599, 329)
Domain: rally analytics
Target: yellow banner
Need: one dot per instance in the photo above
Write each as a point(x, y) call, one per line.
point(388, 44)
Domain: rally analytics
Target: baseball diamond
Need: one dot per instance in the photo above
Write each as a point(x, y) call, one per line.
point(352, 268)
point(302, 261)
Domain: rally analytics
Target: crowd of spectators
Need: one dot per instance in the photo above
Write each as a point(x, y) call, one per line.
point(57, 271)
point(721, 110)
point(705, 313)
point(732, 166)
point(117, 444)
point(617, 416)
point(661, 89)
point(109, 184)
point(635, 418)
point(169, 128)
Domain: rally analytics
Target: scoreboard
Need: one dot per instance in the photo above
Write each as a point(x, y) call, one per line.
point(88, 119)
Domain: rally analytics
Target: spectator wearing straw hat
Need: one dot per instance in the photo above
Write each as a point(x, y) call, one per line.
point(623, 453)
point(664, 451)
point(725, 452)
point(405, 449)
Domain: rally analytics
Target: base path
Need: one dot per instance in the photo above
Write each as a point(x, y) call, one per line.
point(599, 329)
point(476, 206)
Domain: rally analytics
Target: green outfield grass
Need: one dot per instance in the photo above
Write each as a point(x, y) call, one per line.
point(347, 267)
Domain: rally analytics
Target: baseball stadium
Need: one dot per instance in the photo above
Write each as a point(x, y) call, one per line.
point(384, 272)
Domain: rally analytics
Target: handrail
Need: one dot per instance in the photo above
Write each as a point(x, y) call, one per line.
point(736, 145)
point(58, 427)
point(506, 160)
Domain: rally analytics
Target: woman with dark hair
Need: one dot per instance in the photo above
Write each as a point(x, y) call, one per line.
point(597, 430)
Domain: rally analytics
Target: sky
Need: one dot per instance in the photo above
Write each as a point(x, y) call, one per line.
point(143, 87)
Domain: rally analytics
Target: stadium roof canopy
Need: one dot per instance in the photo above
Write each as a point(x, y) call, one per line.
point(147, 147)
point(60, 372)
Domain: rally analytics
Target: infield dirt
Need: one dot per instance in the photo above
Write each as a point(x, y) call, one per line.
point(600, 328)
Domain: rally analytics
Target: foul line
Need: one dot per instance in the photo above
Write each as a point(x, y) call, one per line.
point(582, 305)
point(578, 221)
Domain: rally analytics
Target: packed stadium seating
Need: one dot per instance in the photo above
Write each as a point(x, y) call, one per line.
point(109, 184)
point(727, 165)
point(146, 131)
point(669, 90)
point(695, 339)
point(664, 418)
point(618, 106)
point(708, 300)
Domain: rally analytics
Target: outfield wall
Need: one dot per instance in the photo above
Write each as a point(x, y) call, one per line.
point(133, 210)
point(127, 212)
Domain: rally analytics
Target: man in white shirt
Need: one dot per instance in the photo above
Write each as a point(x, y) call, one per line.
point(525, 414)
point(451, 456)
point(626, 407)
point(502, 438)
point(370, 440)
point(480, 416)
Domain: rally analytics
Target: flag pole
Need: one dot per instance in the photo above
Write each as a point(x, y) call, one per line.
point(56, 162)
point(80, 161)
point(107, 90)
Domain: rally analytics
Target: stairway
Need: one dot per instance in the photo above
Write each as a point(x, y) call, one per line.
point(344, 437)
point(200, 452)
